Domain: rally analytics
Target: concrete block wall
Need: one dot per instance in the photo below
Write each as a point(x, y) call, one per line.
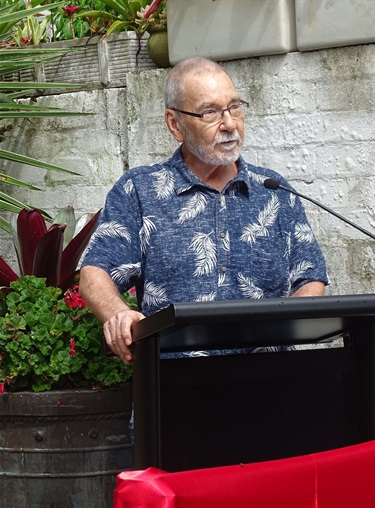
point(311, 118)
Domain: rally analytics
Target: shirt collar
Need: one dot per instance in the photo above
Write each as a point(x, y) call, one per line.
point(185, 179)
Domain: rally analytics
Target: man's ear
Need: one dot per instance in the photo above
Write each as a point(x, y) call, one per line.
point(173, 124)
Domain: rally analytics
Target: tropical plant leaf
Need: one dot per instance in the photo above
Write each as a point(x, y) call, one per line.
point(48, 255)
point(66, 216)
point(37, 114)
point(7, 275)
point(10, 60)
point(14, 230)
point(30, 229)
point(17, 16)
point(82, 221)
point(15, 157)
point(9, 199)
point(73, 252)
point(10, 105)
point(4, 224)
point(15, 181)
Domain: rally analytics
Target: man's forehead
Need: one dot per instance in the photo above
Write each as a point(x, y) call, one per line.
point(207, 84)
point(202, 95)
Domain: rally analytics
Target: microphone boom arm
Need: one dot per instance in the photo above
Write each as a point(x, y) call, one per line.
point(274, 184)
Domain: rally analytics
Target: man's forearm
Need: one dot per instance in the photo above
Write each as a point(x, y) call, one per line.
point(100, 293)
point(314, 288)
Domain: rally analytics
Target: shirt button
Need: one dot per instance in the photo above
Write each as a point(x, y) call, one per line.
point(224, 269)
point(222, 235)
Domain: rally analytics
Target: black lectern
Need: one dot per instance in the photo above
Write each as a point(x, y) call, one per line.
point(221, 410)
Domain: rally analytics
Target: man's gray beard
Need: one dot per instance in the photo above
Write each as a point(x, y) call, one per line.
point(213, 158)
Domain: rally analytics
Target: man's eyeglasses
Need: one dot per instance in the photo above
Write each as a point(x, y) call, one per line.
point(214, 116)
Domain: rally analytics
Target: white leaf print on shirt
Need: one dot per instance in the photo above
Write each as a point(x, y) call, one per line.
point(154, 295)
point(112, 229)
point(226, 242)
point(163, 184)
point(145, 233)
point(194, 206)
point(205, 254)
point(303, 233)
point(223, 204)
point(288, 245)
point(266, 218)
point(298, 270)
point(257, 178)
point(221, 280)
point(206, 298)
point(292, 200)
point(248, 288)
point(128, 186)
point(122, 274)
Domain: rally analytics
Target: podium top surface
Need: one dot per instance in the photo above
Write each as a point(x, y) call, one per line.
point(255, 322)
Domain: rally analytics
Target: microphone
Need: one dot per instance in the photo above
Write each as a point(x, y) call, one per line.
point(271, 183)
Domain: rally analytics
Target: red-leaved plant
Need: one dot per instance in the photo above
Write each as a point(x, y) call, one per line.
point(52, 253)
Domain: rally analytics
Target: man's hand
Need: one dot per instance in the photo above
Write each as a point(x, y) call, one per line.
point(117, 333)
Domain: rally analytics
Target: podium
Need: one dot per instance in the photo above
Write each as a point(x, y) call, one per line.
point(199, 412)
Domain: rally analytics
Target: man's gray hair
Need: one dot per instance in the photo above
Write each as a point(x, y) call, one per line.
point(174, 90)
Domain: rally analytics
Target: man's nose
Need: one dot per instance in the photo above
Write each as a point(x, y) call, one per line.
point(227, 121)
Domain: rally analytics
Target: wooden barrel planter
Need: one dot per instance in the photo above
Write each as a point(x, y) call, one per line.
point(64, 449)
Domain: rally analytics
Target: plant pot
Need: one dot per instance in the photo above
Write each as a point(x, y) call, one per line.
point(63, 448)
point(157, 45)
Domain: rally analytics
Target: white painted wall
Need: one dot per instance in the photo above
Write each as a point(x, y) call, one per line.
point(312, 118)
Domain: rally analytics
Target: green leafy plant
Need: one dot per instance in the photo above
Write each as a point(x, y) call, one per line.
point(32, 31)
point(50, 340)
point(133, 15)
point(67, 24)
point(13, 61)
point(52, 253)
point(17, 13)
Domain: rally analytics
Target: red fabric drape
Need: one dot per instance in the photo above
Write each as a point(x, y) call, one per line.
point(341, 478)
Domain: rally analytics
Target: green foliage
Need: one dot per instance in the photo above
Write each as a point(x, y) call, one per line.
point(52, 341)
point(11, 61)
point(52, 253)
point(15, 14)
point(133, 15)
point(65, 27)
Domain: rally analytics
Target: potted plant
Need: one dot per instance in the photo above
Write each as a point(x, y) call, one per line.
point(64, 407)
point(133, 15)
point(51, 340)
point(138, 16)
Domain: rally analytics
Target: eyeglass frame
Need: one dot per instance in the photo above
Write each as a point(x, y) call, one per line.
point(222, 111)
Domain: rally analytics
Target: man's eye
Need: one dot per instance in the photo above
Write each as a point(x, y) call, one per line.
point(234, 107)
point(209, 112)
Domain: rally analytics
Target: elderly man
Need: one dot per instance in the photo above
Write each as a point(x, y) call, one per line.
point(201, 225)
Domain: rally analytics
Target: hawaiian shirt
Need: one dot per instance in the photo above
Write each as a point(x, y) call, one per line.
point(177, 239)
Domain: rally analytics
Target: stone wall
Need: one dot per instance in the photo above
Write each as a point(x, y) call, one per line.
point(311, 118)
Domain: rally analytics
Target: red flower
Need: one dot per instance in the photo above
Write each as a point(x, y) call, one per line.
point(72, 350)
point(70, 10)
point(73, 298)
point(2, 387)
